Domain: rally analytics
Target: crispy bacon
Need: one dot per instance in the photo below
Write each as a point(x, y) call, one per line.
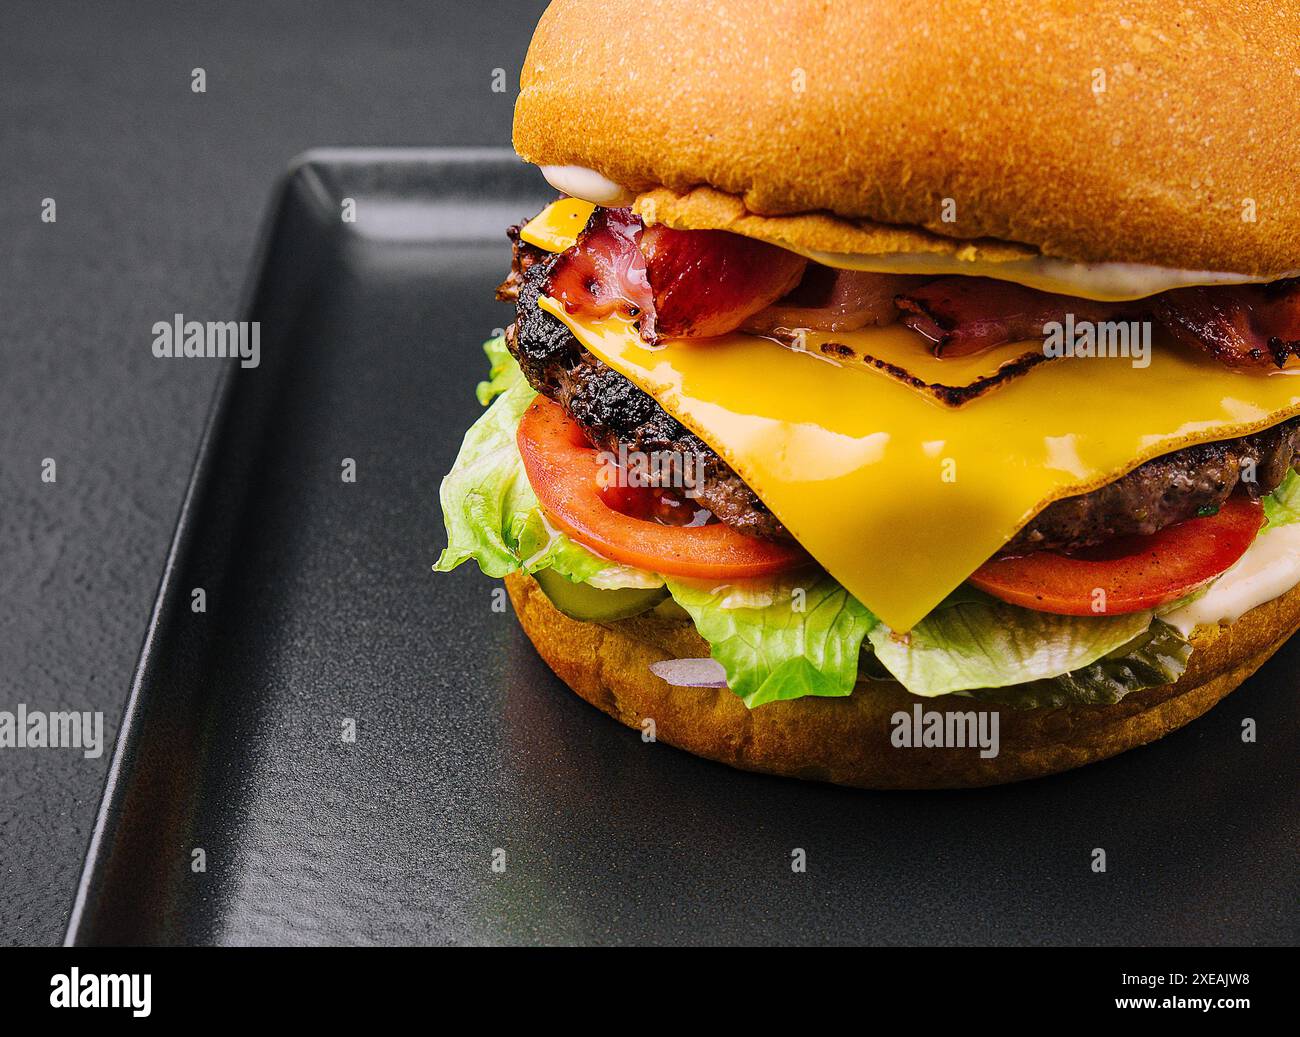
point(962, 315)
point(828, 299)
point(707, 282)
point(690, 284)
point(605, 271)
point(1241, 325)
point(1238, 325)
point(675, 284)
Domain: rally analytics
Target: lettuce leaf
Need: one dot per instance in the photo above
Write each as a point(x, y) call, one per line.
point(503, 373)
point(975, 642)
point(780, 639)
point(1282, 506)
point(490, 510)
point(486, 499)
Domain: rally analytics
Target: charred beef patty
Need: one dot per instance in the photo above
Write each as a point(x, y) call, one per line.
point(613, 412)
point(1169, 489)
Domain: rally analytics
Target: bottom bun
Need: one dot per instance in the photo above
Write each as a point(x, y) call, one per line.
point(848, 740)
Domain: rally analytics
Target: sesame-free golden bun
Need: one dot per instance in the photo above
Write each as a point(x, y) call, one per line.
point(847, 740)
point(1139, 131)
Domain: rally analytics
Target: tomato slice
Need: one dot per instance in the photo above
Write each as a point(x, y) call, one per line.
point(564, 469)
point(1129, 574)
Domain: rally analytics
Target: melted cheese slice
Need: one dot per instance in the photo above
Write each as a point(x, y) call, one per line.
point(901, 498)
point(556, 227)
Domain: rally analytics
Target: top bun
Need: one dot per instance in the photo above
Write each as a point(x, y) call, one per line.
point(1141, 131)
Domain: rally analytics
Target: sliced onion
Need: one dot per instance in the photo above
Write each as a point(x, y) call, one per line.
point(828, 299)
point(691, 673)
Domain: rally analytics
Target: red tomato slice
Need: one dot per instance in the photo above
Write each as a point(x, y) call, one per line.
point(563, 470)
point(1129, 574)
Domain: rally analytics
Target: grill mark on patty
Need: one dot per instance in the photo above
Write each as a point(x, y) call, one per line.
point(614, 412)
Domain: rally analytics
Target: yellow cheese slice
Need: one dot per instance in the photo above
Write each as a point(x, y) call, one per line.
point(901, 498)
point(556, 227)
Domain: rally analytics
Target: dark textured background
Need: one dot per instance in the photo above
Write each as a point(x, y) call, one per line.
point(160, 192)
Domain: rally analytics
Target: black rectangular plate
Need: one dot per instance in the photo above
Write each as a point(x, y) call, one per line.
point(321, 607)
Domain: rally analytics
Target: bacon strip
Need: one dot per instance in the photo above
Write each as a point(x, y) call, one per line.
point(707, 282)
point(828, 299)
point(675, 284)
point(1241, 325)
point(691, 284)
point(962, 315)
point(605, 272)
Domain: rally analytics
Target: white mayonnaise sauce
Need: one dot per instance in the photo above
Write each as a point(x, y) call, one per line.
point(587, 184)
point(1269, 568)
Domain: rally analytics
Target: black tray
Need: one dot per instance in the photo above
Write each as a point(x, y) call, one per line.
point(321, 606)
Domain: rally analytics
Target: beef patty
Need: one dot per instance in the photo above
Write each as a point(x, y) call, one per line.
point(614, 413)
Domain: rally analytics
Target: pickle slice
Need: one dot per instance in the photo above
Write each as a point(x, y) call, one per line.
point(593, 605)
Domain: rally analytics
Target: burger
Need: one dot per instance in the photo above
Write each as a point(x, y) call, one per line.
point(899, 394)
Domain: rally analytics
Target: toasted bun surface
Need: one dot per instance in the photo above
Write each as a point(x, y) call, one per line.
point(847, 740)
point(1120, 130)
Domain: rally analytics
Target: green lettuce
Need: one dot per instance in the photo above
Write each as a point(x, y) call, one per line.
point(780, 639)
point(1282, 506)
point(503, 374)
point(490, 510)
point(975, 641)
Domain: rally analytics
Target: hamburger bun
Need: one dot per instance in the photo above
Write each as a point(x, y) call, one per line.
point(1145, 132)
point(847, 740)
